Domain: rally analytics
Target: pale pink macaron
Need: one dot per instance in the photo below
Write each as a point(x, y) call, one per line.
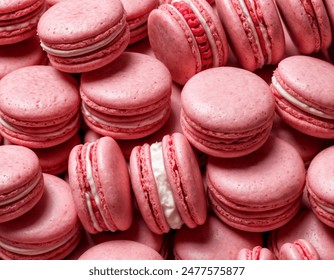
point(18, 19)
point(50, 230)
point(227, 111)
point(187, 37)
point(100, 185)
point(307, 23)
point(32, 118)
point(128, 98)
point(21, 184)
point(329, 5)
point(214, 240)
point(302, 86)
point(83, 35)
point(167, 184)
point(320, 184)
point(121, 250)
point(300, 249)
point(254, 31)
point(257, 253)
point(305, 225)
point(258, 192)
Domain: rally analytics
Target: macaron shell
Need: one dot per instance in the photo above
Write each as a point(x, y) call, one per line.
point(257, 253)
point(299, 250)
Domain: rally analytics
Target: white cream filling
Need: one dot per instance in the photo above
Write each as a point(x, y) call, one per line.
point(93, 192)
point(22, 194)
point(298, 103)
point(34, 251)
point(215, 62)
point(125, 125)
point(165, 193)
point(326, 208)
point(84, 50)
point(251, 24)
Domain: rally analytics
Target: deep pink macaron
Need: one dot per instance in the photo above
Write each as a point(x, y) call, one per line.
point(31, 118)
point(50, 230)
point(258, 192)
point(18, 19)
point(308, 24)
point(187, 37)
point(167, 184)
point(21, 183)
point(100, 184)
point(320, 184)
point(127, 99)
point(257, 253)
point(227, 111)
point(254, 31)
point(303, 89)
point(300, 249)
point(81, 36)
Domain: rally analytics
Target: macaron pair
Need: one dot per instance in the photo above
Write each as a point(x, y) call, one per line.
point(256, 253)
point(81, 36)
point(21, 183)
point(319, 186)
point(18, 20)
point(128, 98)
point(167, 184)
point(50, 230)
point(300, 249)
point(227, 111)
point(308, 24)
point(302, 86)
point(254, 31)
point(187, 37)
point(100, 185)
point(258, 192)
point(32, 118)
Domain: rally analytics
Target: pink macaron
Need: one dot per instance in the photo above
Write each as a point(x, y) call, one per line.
point(81, 36)
point(167, 184)
point(308, 24)
point(127, 99)
point(21, 183)
point(254, 31)
point(227, 111)
point(257, 253)
point(31, 118)
point(50, 230)
point(187, 37)
point(120, 250)
point(302, 86)
point(300, 249)
point(319, 185)
point(100, 184)
point(214, 240)
point(258, 192)
point(18, 19)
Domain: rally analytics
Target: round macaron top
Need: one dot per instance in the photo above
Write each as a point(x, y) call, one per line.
point(228, 99)
point(271, 177)
point(309, 80)
point(22, 6)
point(132, 81)
point(52, 218)
point(74, 21)
point(138, 10)
point(121, 250)
point(39, 93)
point(18, 166)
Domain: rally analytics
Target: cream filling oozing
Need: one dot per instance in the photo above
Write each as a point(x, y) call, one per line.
point(298, 103)
point(93, 192)
point(84, 50)
point(34, 251)
point(22, 194)
point(165, 193)
point(215, 62)
point(130, 125)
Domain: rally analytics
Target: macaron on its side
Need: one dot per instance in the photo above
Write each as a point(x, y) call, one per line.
point(307, 23)
point(254, 31)
point(80, 41)
point(330, 12)
point(300, 249)
point(102, 197)
point(50, 230)
point(187, 37)
point(302, 88)
point(19, 20)
point(257, 253)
